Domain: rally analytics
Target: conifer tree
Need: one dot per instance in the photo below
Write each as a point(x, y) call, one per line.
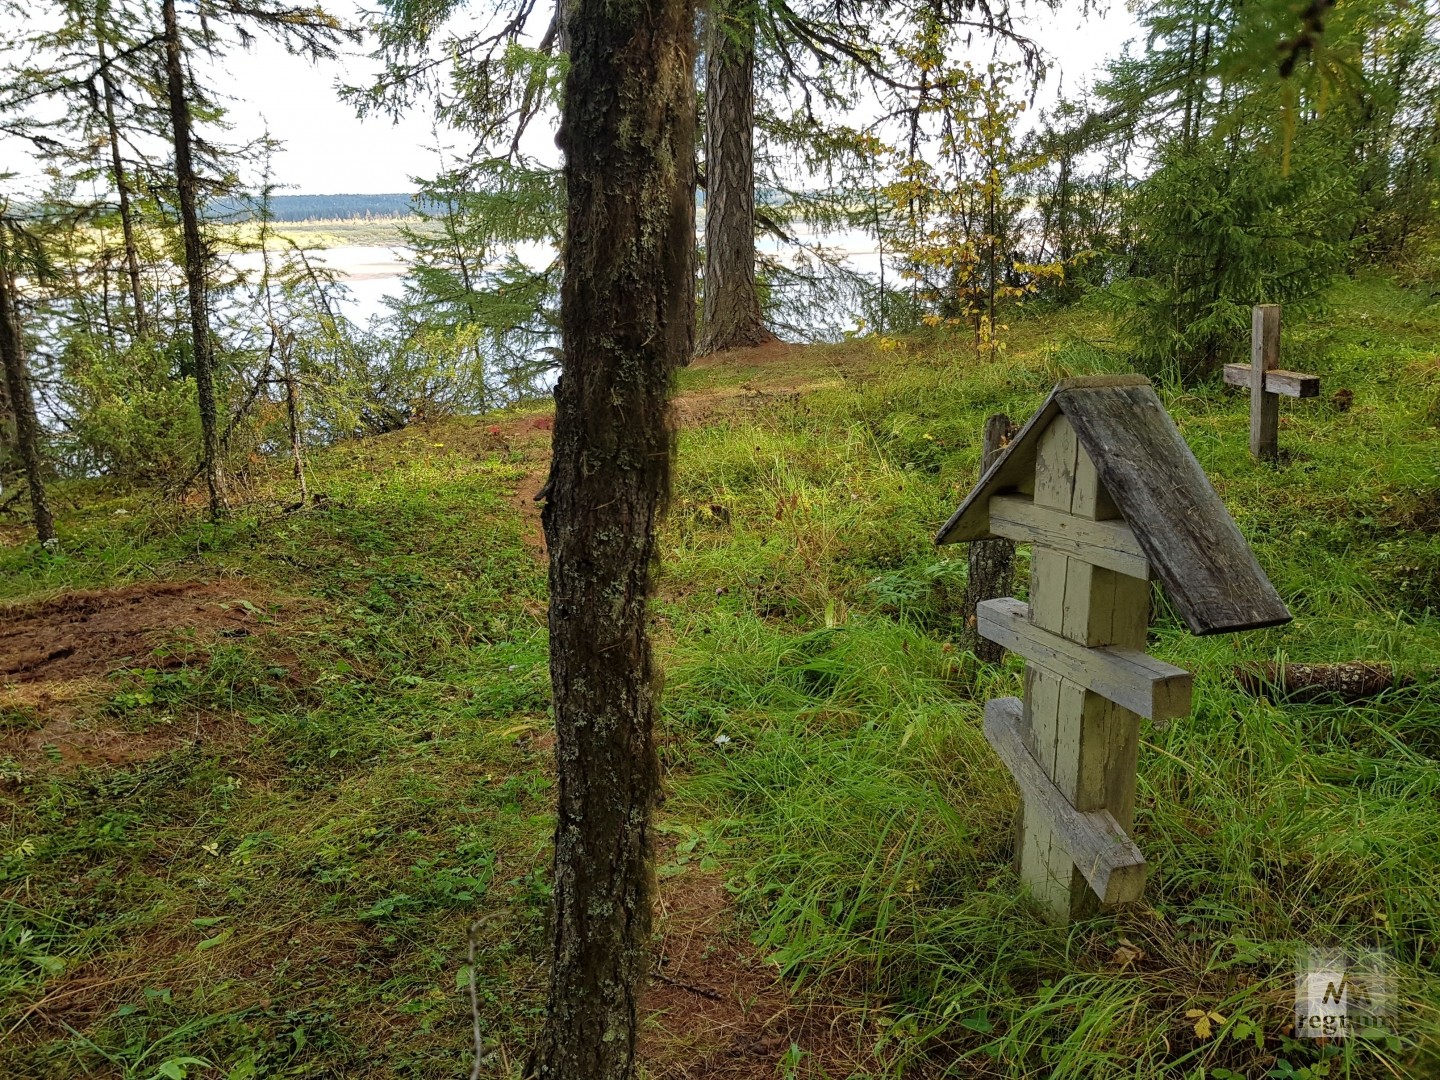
point(187, 189)
point(16, 248)
point(311, 32)
point(809, 59)
point(628, 321)
point(732, 316)
point(468, 299)
point(1261, 142)
point(96, 63)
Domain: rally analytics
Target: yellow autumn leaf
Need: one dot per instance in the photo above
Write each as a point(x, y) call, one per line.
point(1203, 1019)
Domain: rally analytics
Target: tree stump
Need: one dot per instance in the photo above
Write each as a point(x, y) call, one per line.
point(992, 562)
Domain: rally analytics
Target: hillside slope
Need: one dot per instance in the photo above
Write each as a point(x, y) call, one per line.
point(270, 786)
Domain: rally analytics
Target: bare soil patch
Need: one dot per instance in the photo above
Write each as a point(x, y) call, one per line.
point(1421, 511)
point(716, 1009)
point(773, 351)
point(82, 634)
point(69, 743)
point(58, 658)
point(531, 527)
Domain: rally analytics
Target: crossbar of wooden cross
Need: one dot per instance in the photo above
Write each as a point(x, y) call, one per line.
point(1145, 686)
point(1267, 382)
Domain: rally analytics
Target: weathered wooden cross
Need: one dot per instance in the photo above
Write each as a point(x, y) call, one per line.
point(1267, 382)
point(1101, 482)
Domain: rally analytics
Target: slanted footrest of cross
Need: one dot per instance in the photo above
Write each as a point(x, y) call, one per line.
point(1109, 860)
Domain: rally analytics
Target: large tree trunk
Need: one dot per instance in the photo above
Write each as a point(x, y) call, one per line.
point(7, 430)
point(22, 402)
point(627, 315)
point(194, 259)
point(127, 217)
point(732, 304)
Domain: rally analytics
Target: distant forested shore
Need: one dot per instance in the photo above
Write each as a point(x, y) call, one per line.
point(320, 207)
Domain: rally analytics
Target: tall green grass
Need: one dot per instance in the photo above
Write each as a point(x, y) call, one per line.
point(285, 888)
point(875, 824)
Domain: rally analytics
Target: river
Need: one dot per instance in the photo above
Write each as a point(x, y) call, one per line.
point(372, 274)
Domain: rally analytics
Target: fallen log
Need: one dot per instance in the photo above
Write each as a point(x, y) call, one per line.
point(1354, 680)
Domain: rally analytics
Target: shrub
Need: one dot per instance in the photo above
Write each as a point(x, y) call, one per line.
point(132, 419)
point(1218, 228)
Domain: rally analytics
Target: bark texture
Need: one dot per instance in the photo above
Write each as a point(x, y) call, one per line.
point(22, 403)
point(1349, 682)
point(627, 314)
point(732, 304)
point(7, 430)
point(195, 284)
point(992, 562)
point(292, 416)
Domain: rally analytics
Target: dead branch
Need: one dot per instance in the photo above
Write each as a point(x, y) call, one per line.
point(1354, 680)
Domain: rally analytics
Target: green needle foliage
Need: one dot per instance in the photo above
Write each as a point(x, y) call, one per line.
point(470, 305)
point(1227, 227)
point(1261, 155)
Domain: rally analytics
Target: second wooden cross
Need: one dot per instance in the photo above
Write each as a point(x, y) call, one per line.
point(1267, 382)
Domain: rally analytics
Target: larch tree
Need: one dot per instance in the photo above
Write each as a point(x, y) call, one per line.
point(121, 181)
point(732, 315)
point(307, 31)
point(627, 304)
point(808, 59)
point(471, 302)
point(95, 62)
point(202, 355)
point(18, 391)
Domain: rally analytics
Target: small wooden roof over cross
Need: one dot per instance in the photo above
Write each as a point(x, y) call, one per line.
point(1188, 537)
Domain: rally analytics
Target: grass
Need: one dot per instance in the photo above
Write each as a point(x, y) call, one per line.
point(321, 234)
point(278, 897)
point(290, 894)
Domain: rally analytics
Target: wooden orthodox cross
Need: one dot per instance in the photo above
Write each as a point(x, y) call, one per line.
point(1101, 482)
point(1267, 382)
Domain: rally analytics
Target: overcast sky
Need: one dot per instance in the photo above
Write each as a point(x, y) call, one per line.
point(329, 151)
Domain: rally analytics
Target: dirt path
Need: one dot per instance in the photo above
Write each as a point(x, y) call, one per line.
point(714, 1008)
point(88, 633)
point(771, 372)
